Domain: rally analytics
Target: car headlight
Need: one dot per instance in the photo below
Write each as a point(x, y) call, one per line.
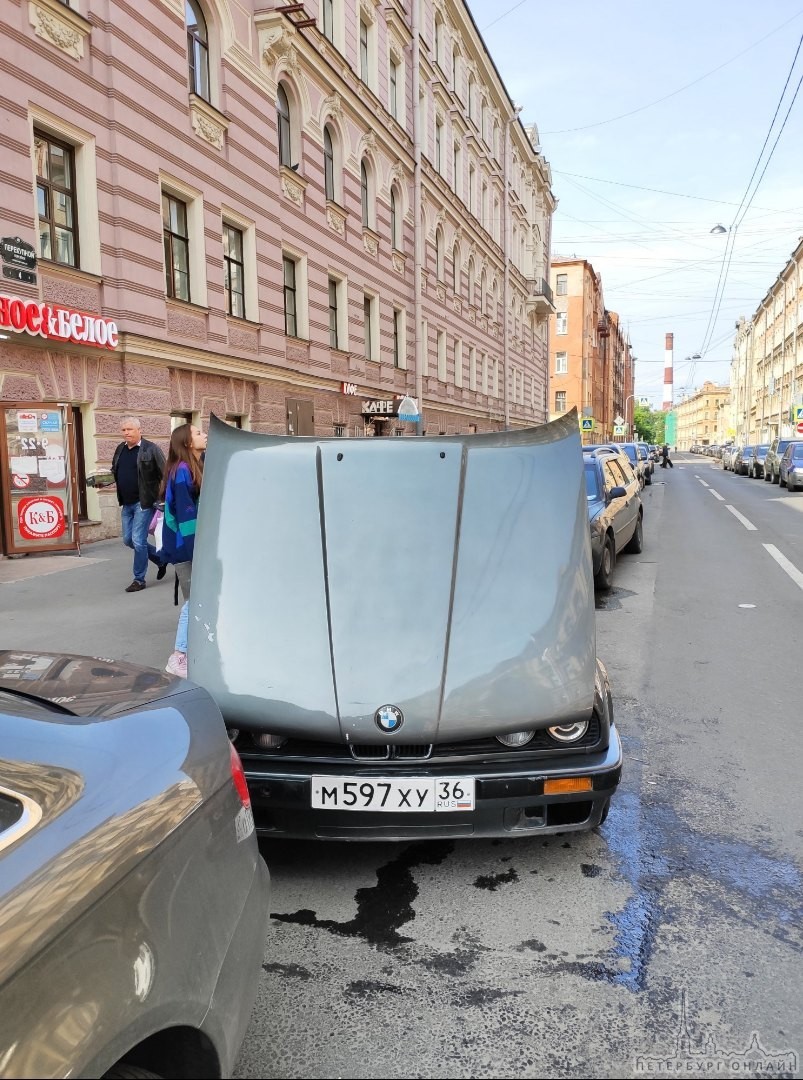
point(569, 733)
point(516, 738)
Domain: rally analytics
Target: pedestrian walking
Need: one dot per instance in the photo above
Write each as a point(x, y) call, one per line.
point(665, 458)
point(181, 489)
point(137, 467)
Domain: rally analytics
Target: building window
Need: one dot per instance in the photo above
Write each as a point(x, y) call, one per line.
point(439, 256)
point(394, 89)
point(197, 49)
point(471, 272)
point(457, 169)
point(329, 20)
point(364, 54)
point(437, 42)
point(561, 283)
point(285, 128)
point(394, 221)
point(365, 195)
point(455, 71)
point(399, 346)
point(234, 271)
point(470, 96)
point(442, 355)
point(456, 273)
point(334, 340)
point(485, 373)
point(439, 145)
point(562, 319)
point(328, 164)
point(472, 368)
point(55, 200)
point(561, 363)
point(458, 362)
point(290, 297)
point(369, 310)
point(176, 247)
point(560, 401)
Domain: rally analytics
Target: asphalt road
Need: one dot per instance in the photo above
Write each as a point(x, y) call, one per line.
point(576, 955)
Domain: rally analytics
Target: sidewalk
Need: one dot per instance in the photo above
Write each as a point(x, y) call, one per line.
point(67, 603)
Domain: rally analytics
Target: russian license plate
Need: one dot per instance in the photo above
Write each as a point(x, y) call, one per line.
point(394, 795)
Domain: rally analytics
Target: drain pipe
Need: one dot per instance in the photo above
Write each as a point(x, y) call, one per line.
point(420, 352)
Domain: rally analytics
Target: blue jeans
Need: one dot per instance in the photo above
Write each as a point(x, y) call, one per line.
point(183, 626)
point(135, 535)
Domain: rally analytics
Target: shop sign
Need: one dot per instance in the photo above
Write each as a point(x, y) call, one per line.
point(19, 259)
point(41, 517)
point(349, 388)
point(379, 407)
point(56, 323)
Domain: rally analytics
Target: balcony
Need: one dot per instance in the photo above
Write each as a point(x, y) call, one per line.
point(539, 298)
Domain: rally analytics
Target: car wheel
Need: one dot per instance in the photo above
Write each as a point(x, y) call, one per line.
point(781, 481)
point(649, 478)
point(767, 476)
point(636, 542)
point(604, 578)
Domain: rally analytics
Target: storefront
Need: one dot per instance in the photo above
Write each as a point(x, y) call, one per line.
point(40, 451)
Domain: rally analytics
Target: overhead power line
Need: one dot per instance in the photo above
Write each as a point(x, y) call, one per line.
point(673, 93)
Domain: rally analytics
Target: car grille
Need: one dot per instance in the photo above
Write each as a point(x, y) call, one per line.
point(307, 749)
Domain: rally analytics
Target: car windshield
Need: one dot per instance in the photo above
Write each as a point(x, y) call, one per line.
point(761, 451)
point(797, 453)
point(631, 453)
point(782, 445)
point(747, 452)
point(592, 482)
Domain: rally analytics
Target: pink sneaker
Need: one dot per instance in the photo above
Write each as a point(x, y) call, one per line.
point(177, 665)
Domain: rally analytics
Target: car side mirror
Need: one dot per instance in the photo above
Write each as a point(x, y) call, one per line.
point(618, 492)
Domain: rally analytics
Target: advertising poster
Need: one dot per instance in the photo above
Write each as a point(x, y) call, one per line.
point(37, 479)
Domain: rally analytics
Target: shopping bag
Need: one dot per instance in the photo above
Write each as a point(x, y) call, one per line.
point(155, 528)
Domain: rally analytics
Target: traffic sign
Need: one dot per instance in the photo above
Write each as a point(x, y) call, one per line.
point(618, 419)
point(586, 423)
point(619, 429)
point(798, 414)
point(799, 427)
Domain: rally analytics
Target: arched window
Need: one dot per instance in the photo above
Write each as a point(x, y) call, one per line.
point(456, 269)
point(471, 273)
point(394, 220)
point(470, 96)
point(328, 164)
point(365, 195)
point(285, 129)
point(197, 49)
point(439, 254)
point(483, 289)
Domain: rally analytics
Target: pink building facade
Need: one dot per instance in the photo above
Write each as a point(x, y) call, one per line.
point(290, 221)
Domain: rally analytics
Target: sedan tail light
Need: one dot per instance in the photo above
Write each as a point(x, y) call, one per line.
point(238, 776)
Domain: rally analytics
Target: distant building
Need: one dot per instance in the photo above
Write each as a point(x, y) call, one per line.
point(702, 418)
point(590, 363)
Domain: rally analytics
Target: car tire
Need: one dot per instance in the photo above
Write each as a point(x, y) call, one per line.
point(767, 476)
point(649, 478)
point(776, 479)
point(781, 481)
point(636, 543)
point(604, 578)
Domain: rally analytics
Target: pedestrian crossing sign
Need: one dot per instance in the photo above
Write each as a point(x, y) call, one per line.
point(619, 429)
point(586, 423)
point(798, 413)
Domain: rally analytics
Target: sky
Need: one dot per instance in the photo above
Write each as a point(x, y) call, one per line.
point(575, 68)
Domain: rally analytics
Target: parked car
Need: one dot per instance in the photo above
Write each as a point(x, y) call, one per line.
point(133, 900)
point(431, 675)
point(615, 513)
point(743, 461)
point(759, 457)
point(772, 462)
point(790, 470)
point(646, 457)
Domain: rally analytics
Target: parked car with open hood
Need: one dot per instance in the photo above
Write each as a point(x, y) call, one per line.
point(402, 631)
point(133, 899)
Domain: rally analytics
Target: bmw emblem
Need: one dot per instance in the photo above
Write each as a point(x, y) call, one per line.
point(388, 718)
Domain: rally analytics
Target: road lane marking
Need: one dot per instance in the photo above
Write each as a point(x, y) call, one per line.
point(747, 524)
point(717, 495)
point(702, 481)
point(784, 564)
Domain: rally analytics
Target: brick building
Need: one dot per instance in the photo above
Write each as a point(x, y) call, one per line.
point(288, 220)
point(590, 366)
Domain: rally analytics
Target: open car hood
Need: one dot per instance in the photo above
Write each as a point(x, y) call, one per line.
point(448, 576)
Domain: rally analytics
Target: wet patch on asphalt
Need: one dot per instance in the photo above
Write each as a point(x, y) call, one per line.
point(491, 882)
point(289, 971)
point(364, 988)
point(612, 600)
point(384, 907)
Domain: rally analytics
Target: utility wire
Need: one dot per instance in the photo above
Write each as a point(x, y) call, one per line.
point(666, 97)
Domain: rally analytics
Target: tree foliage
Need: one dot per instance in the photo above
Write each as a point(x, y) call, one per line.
point(649, 424)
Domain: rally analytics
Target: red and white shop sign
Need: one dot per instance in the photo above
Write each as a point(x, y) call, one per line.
point(41, 517)
point(56, 323)
point(348, 388)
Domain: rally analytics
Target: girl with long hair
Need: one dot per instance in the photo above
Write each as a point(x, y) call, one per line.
point(181, 489)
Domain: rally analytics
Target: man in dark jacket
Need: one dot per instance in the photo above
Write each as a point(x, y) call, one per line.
point(137, 466)
point(665, 458)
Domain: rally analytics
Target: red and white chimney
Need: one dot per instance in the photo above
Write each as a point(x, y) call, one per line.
point(669, 346)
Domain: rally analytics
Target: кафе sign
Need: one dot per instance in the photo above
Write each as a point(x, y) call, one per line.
point(53, 322)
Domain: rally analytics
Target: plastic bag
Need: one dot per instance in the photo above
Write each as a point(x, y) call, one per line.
point(155, 528)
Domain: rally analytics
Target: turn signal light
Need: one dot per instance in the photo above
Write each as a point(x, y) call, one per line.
point(567, 785)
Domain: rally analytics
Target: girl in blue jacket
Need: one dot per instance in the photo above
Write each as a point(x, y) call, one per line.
point(181, 488)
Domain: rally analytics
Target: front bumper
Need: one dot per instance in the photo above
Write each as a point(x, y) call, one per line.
point(510, 798)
